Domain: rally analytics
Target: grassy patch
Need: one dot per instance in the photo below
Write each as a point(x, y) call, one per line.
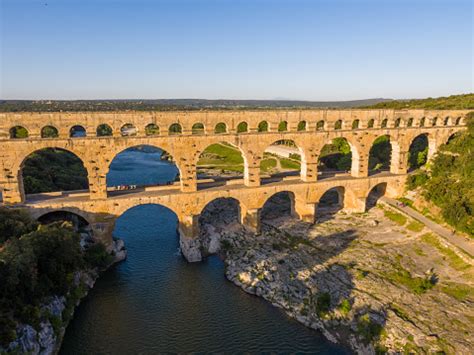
point(419, 251)
point(454, 260)
point(415, 226)
point(395, 217)
point(345, 306)
point(221, 154)
point(406, 201)
point(461, 292)
point(289, 164)
point(401, 276)
point(267, 164)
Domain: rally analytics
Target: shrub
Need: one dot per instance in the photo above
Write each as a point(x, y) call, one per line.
point(416, 180)
point(97, 256)
point(368, 329)
point(323, 303)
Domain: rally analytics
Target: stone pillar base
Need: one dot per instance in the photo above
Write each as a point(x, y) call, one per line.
point(305, 211)
point(251, 220)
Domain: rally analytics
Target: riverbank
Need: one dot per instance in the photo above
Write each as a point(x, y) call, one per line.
point(374, 282)
point(57, 311)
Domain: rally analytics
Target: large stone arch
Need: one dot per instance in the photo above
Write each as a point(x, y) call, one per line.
point(357, 161)
point(301, 149)
point(135, 144)
point(38, 213)
point(17, 177)
point(397, 161)
point(237, 144)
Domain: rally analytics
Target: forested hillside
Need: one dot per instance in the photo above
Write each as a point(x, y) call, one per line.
point(449, 183)
point(36, 263)
point(453, 102)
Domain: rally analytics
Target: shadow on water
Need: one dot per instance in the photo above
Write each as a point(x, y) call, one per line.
point(156, 302)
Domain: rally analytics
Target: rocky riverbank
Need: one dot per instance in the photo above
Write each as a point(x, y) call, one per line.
point(55, 313)
point(376, 282)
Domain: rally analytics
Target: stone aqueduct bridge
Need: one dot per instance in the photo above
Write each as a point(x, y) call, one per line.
point(309, 129)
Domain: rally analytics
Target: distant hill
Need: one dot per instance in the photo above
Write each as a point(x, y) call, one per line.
point(453, 102)
point(172, 105)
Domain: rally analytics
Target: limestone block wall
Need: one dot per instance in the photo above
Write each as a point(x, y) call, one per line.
point(98, 152)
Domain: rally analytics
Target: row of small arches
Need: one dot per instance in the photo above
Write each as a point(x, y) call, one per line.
point(220, 128)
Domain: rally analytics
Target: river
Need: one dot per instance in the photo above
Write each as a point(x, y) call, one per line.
point(156, 302)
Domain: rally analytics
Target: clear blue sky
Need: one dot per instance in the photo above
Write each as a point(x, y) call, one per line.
point(236, 49)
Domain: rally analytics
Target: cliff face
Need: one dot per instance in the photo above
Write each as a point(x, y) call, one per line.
point(373, 281)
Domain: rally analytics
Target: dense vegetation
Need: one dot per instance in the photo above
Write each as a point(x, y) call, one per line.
point(449, 183)
point(53, 170)
point(453, 102)
point(171, 105)
point(36, 262)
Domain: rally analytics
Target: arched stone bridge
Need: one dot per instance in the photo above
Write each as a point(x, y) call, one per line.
point(186, 134)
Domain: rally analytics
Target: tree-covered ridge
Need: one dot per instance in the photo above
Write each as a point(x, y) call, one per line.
point(37, 262)
point(453, 102)
point(171, 105)
point(449, 183)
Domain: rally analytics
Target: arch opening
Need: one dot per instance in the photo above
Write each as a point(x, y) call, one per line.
point(141, 168)
point(18, 132)
point(175, 129)
point(371, 123)
point(384, 123)
point(283, 126)
point(148, 228)
point(263, 126)
point(104, 130)
point(453, 136)
point(418, 152)
point(222, 215)
point(242, 127)
point(128, 130)
point(335, 157)
point(78, 222)
point(398, 122)
point(320, 126)
point(197, 128)
point(49, 132)
point(219, 163)
point(278, 207)
point(280, 160)
point(152, 130)
point(53, 170)
point(355, 124)
point(220, 128)
point(77, 132)
point(374, 195)
point(301, 126)
point(410, 122)
point(338, 125)
point(330, 203)
point(380, 154)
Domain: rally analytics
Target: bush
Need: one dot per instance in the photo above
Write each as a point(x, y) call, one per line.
point(97, 256)
point(368, 329)
point(416, 180)
point(323, 303)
